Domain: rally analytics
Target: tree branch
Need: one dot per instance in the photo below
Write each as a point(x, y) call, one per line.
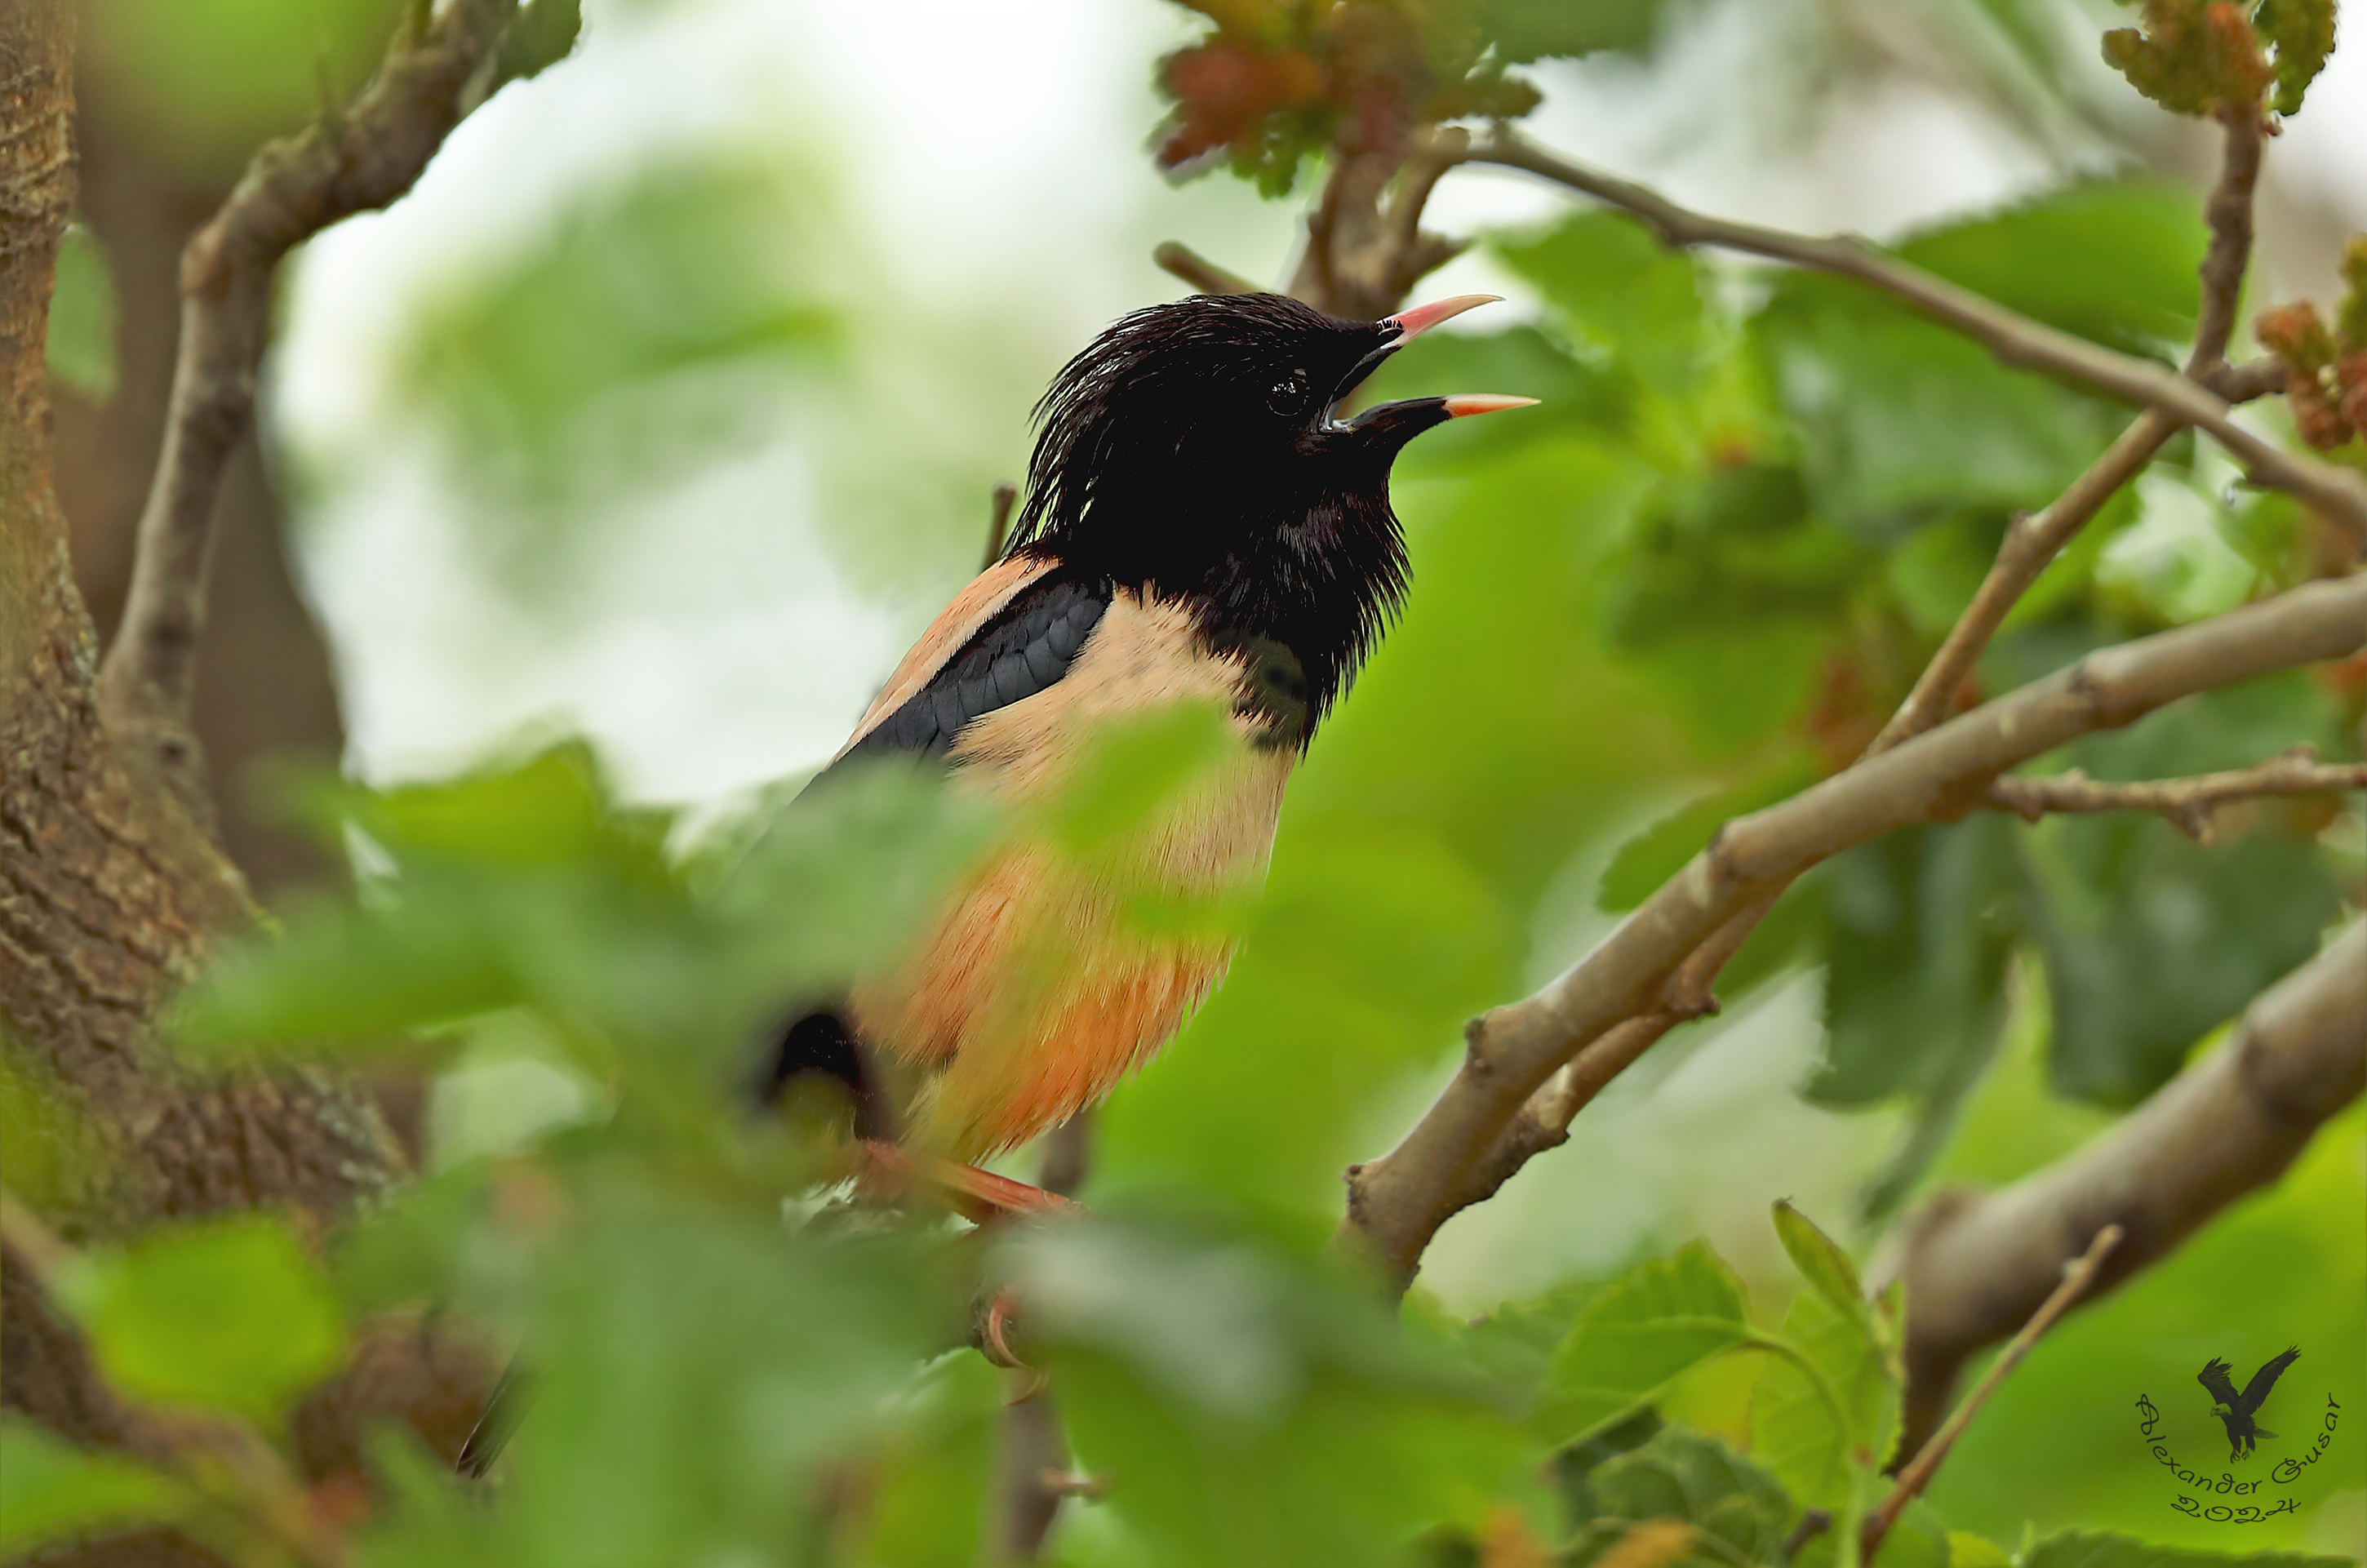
point(1207, 277)
point(1395, 1203)
point(2031, 544)
point(294, 189)
point(2014, 338)
point(1975, 1264)
point(2076, 1276)
point(2187, 803)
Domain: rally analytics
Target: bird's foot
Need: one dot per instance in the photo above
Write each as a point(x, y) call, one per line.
point(890, 1170)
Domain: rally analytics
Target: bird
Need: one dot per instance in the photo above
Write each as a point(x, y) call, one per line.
point(2237, 1414)
point(1204, 522)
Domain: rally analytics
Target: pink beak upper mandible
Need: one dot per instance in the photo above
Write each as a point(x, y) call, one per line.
point(1414, 322)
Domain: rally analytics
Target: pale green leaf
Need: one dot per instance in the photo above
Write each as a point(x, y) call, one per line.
point(1653, 1323)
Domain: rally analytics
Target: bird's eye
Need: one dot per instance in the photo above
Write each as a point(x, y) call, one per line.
point(1288, 396)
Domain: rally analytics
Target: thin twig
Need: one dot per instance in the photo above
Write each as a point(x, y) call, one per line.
point(998, 524)
point(2228, 211)
point(2076, 1276)
point(293, 189)
point(1176, 257)
point(2014, 338)
point(2187, 803)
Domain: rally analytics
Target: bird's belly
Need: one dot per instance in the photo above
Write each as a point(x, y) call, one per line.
point(1053, 970)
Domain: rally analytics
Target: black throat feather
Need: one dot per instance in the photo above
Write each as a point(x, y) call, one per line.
point(1170, 458)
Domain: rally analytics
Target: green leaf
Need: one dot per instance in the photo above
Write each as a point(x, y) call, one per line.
point(1819, 1258)
point(231, 1315)
point(1643, 1330)
point(2150, 940)
point(2112, 260)
point(1515, 1343)
point(81, 345)
point(1524, 31)
point(1660, 851)
point(1623, 297)
point(1139, 766)
point(2079, 1548)
point(1921, 924)
point(1901, 422)
point(52, 1490)
point(1824, 1457)
point(1689, 1477)
point(1262, 1412)
point(198, 84)
point(1968, 1551)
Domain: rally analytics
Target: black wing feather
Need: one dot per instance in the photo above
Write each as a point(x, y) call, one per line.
point(2266, 1379)
point(2222, 1387)
point(1026, 648)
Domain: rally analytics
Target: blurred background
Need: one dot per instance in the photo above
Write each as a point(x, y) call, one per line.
point(667, 409)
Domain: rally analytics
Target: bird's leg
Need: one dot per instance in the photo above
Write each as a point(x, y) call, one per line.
point(980, 1195)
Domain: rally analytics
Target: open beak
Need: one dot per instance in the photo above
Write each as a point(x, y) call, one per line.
point(1415, 414)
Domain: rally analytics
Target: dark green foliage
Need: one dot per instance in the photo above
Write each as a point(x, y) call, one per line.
point(1737, 1514)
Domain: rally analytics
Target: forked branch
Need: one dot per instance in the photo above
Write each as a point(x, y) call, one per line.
point(1397, 1203)
point(345, 163)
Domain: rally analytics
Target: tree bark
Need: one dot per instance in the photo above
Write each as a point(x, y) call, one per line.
point(110, 892)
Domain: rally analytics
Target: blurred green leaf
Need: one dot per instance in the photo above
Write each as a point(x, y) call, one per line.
point(620, 353)
point(1524, 31)
point(695, 1372)
point(1738, 1513)
point(1901, 422)
point(2078, 1548)
point(1515, 1343)
point(1138, 767)
point(1921, 924)
point(2112, 260)
point(203, 83)
point(2151, 941)
point(1256, 1411)
point(1622, 296)
point(52, 1490)
point(231, 1315)
point(81, 345)
point(527, 886)
point(1660, 851)
point(1641, 1331)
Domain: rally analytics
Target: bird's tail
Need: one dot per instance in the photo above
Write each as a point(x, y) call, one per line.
point(2261, 1432)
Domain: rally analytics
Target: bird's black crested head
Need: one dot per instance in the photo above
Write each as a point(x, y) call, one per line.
point(1196, 448)
point(1201, 402)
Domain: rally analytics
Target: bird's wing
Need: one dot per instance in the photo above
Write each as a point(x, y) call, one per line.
point(2266, 1379)
point(1013, 638)
point(2215, 1378)
point(947, 635)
